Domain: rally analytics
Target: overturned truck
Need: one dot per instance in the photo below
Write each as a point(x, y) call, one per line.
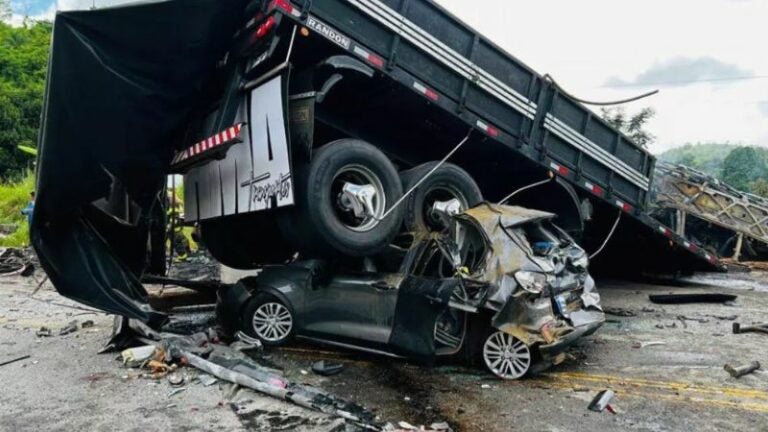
point(338, 131)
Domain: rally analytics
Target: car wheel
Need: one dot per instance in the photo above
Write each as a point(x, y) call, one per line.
point(506, 356)
point(448, 183)
point(343, 195)
point(269, 319)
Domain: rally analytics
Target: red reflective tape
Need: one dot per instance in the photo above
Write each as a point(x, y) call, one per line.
point(624, 206)
point(490, 130)
point(426, 91)
point(376, 60)
point(564, 171)
point(595, 189)
point(666, 231)
point(282, 4)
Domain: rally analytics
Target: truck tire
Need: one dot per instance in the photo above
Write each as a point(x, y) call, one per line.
point(447, 183)
point(326, 221)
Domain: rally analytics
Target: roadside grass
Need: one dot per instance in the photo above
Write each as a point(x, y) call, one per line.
point(14, 196)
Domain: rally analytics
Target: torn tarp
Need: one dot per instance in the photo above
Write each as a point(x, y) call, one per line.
point(122, 83)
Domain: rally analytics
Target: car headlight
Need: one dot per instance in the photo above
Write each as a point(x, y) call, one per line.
point(532, 282)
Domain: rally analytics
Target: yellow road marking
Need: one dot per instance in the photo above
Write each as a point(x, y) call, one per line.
point(667, 385)
point(686, 393)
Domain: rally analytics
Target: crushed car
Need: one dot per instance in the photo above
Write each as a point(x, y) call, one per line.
point(504, 287)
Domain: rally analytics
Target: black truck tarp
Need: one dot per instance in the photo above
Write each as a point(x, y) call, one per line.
point(121, 83)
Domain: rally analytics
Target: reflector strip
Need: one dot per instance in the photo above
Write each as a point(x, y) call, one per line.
point(426, 91)
point(560, 169)
point(228, 135)
point(371, 58)
point(490, 130)
point(286, 6)
point(595, 189)
point(624, 206)
point(666, 231)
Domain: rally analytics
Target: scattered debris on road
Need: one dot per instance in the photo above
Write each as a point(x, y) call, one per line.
point(620, 312)
point(14, 360)
point(638, 345)
point(69, 328)
point(740, 371)
point(602, 401)
point(691, 298)
point(758, 328)
point(15, 261)
point(327, 369)
point(43, 332)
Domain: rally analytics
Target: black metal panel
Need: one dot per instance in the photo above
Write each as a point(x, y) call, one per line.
point(432, 72)
point(503, 68)
point(443, 27)
point(354, 23)
point(595, 171)
point(562, 151)
point(494, 110)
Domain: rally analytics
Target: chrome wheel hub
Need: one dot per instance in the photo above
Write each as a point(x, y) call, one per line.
point(272, 322)
point(506, 356)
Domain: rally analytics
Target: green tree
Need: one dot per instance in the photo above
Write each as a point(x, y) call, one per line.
point(743, 166)
point(23, 63)
point(632, 126)
point(759, 187)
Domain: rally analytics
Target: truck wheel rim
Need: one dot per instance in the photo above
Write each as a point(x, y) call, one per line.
point(272, 322)
point(506, 356)
point(440, 194)
point(361, 176)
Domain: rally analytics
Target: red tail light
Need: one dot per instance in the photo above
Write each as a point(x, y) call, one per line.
point(282, 4)
point(265, 28)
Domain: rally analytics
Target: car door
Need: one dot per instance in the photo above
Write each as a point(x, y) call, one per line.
point(353, 308)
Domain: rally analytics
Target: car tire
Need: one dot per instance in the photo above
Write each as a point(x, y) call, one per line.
point(322, 224)
point(506, 356)
point(269, 319)
point(446, 183)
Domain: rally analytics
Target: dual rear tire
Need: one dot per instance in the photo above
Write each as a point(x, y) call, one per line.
point(346, 198)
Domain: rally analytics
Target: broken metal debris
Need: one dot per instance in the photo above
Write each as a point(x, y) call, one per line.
point(69, 328)
point(758, 328)
point(620, 312)
point(327, 369)
point(691, 298)
point(207, 380)
point(14, 360)
point(135, 357)
point(15, 261)
point(638, 345)
point(176, 391)
point(602, 401)
point(740, 371)
point(176, 379)
point(236, 363)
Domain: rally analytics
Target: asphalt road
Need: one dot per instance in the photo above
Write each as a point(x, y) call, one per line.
point(677, 384)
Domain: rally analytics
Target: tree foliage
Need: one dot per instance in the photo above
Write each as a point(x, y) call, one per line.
point(705, 157)
point(633, 126)
point(23, 64)
point(742, 167)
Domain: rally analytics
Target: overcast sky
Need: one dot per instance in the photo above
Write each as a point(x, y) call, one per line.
point(708, 57)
